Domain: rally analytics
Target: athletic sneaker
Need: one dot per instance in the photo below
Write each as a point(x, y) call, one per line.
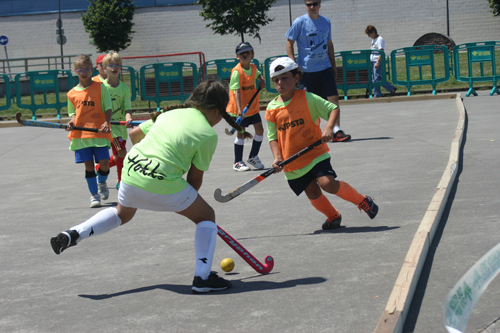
point(117, 186)
point(332, 223)
point(95, 200)
point(103, 190)
point(340, 136)
point(64, 240)
point(213, 283)
point(255, 162)
point(369, 207)
point(240, 166)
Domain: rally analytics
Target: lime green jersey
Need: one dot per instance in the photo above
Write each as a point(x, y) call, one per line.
point(177, 139)
point(121, 100)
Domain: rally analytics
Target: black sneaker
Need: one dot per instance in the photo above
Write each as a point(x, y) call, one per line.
point(369, 207)
point(213, 283)
point(64, 240)
point(332, 223)
point(340, 136)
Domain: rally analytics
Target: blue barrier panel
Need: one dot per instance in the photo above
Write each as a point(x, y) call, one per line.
point(43, 82)
point(7, 90)
point(478, 55)
point(421, 57)
point(170, 81)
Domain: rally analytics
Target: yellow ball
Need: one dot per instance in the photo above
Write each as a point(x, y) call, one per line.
point(227, 265)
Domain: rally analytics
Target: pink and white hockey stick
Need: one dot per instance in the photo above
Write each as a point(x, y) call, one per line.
point(245, 255)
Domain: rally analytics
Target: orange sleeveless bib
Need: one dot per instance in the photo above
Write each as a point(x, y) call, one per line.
point(297, 130)
point(88, 112)
point(247, 90)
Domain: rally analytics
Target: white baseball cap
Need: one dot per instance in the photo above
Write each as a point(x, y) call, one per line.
point(286, 62)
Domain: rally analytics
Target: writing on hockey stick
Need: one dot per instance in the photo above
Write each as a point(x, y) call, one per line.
point(228, 239)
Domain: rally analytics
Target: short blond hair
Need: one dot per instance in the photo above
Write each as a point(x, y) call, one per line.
point(112, 56)
point(83, 59)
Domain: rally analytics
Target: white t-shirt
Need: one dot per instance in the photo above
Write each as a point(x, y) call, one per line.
point(377, 44)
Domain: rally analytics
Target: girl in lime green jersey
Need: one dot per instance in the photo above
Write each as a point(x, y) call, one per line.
point(180, 141)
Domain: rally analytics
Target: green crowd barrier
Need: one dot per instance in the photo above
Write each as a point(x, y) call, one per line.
point(170, 81)
point(223, 68)
point(6, 85)
point(130, 79)
point(479, 54)
point(424, 59)
point(356, 70)
point(42, 82)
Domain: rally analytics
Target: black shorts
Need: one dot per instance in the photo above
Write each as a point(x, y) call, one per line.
point(323, 168)
point(321, 83)
point(250, 120)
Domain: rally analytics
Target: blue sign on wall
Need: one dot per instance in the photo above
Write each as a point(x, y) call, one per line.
point(26, 7)
point(3, 40)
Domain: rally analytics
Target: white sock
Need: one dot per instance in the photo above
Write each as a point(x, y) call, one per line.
point(336, 129)
point(204, 246)
point(258, 138)
point(100, 223)
point(238, 141)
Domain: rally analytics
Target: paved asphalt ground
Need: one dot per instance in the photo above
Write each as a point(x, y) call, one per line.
point(137, 278)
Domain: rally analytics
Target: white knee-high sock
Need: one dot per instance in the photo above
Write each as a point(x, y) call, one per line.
point(100, 223)
point(205, 238)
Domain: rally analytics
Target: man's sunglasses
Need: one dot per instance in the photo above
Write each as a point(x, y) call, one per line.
point(312, 4)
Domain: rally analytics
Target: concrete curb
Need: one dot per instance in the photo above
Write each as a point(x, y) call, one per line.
point(394, 315)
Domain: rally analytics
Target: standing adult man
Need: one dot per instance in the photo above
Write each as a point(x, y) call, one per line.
point(316, 57)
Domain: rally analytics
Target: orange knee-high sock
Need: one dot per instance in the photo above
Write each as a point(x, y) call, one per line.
point(323, 205)
point(112, 161)
point(348, 193)
point(119, 166)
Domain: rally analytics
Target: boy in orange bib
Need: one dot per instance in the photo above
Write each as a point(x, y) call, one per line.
point(291, 126)
point(89, 105)
point(241, 90)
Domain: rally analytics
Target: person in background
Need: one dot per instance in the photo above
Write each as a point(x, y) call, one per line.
point(378, 43)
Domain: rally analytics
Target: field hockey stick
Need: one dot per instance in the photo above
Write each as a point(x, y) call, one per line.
point(240, 118)
point(52, 125)
point(124, 123)
point(245, 255)
point(251, 183)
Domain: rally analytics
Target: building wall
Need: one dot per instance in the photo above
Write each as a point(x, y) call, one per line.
point(175, 29)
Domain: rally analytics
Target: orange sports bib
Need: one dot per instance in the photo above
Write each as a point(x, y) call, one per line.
point(88, 112)
point(247, 90)
point(296, 130)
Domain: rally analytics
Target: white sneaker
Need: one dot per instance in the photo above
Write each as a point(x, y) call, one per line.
point(95, 201)
point(103, 190)
point(240, 166)
point(255, 162)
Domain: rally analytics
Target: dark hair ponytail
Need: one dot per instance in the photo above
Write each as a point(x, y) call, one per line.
point(208, 95)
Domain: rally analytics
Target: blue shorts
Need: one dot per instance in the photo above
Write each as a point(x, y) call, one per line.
point(322, 168)
point(321, 83)
point(250, 120)
point(91, 154)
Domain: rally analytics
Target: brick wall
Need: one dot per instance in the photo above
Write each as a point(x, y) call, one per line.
point(176, 29)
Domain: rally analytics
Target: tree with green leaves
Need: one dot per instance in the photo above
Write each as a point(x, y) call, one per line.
point(109, 23)
point(495, 7)
point(237, 17)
